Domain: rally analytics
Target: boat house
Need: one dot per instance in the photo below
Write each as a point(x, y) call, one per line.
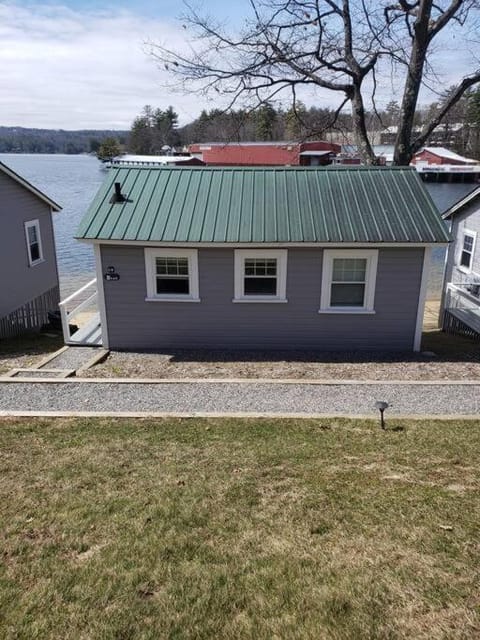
point(311, 153)
point(262, 258)
point(440, 156)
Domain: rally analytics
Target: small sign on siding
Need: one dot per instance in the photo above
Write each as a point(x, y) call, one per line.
point(111, 274)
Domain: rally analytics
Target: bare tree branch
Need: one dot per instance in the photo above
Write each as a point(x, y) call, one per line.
point(342, 46)
point(456, 95)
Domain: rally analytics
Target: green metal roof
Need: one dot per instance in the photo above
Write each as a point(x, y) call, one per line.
point(264, 204)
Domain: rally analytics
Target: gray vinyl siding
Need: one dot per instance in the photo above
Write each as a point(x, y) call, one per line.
point(19, 282)
point(217, 322)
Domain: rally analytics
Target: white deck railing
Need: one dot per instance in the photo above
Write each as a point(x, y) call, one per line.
point(67, 316)
point(462, 311)
point(459, 297)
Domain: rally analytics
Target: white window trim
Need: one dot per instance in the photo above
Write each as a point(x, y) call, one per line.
point(329, 255)
point(473, 234)
point(28, 225)
point(150, 272)
point(244, 254)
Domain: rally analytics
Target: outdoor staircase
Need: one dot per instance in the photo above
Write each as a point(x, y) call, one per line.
point(89, 331)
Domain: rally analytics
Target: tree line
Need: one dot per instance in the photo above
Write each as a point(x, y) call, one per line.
point(29, 140)
point(156, 131)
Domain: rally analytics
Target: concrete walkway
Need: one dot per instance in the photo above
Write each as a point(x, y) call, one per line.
point(431, 315)
point(100, 397)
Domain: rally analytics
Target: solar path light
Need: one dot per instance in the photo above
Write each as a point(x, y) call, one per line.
point(381, 406)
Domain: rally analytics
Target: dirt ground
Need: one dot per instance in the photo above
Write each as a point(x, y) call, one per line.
point(298, 366)
point(443, 357)
point(27, 351)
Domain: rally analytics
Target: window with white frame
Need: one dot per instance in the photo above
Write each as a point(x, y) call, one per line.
point(34, 242)
point(348, 281)
point(172, 274)
point(260, 275)
point(466, 252)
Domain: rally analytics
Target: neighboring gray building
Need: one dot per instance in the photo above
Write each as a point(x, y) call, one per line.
point(461, 296)
point(262, 257)
point(29, 284)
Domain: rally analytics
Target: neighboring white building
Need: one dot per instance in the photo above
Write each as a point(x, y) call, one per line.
point(461, 295)
point(129, 160)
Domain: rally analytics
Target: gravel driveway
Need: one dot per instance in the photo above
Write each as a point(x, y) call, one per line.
point(242, 397)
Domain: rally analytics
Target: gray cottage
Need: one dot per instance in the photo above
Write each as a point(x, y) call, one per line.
point(460, 307)
point(29, 284)
point(262, 257)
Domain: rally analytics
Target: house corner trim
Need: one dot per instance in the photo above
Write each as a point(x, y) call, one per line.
point(422, 297)
point(101, 295)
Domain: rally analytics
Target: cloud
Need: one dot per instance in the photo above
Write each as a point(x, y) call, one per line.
point(69, 69)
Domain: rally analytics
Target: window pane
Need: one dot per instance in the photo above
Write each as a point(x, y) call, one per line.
point(468, 243)
point(249, 267)
point(172, 266)
point(349, 269)
point(347, 295)
point(34, 252)
point(271, 267)
point(260, 267)
point(183, 267)
point(260, 286)
point(465, 259)
point(32, 235)
point(170, 285)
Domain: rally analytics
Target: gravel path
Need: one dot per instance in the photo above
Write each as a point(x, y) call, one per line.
point(255, 397)
point(72, 358)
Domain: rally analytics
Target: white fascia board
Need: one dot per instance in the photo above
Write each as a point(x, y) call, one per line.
point(24, 183)
point(461, 203)
point(264, 245)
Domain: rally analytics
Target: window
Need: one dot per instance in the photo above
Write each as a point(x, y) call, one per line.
point(466, 253)
point(260, 275)
point(34, 242)
point(172, 274)
point(348, 281)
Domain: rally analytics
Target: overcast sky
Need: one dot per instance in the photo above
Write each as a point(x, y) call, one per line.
point(83, 64)
point(76, 64)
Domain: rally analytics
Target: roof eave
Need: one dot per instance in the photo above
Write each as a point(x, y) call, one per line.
point(24, 183)
point(458, 206)
point(234, 245)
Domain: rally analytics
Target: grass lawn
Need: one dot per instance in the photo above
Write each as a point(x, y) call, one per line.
point(451, 347)
point(121, 529)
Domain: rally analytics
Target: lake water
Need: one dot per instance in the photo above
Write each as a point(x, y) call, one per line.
point(73, 180)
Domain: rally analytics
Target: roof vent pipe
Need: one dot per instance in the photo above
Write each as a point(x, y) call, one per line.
point(118, 195)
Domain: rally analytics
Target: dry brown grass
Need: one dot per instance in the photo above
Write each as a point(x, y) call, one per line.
point(27, 350)
point(239, 529)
